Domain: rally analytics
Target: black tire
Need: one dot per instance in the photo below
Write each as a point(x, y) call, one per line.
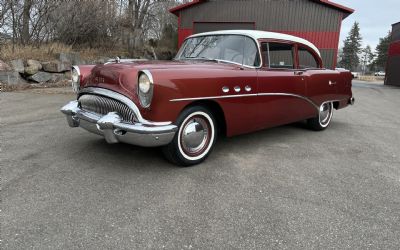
point(323, 120)
point(177, 151)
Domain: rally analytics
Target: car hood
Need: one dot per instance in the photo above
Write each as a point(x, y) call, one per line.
point(122, 77)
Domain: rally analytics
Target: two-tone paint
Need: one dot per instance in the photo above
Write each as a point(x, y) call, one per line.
point(248, 99)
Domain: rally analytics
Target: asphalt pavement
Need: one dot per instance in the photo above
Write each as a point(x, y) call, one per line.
point(281, 188)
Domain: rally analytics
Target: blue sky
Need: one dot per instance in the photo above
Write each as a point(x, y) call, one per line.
point(375, 18)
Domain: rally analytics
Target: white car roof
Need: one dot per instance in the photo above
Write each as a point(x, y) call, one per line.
point(257, 34)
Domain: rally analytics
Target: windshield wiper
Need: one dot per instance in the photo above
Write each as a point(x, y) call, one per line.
point(203, 58)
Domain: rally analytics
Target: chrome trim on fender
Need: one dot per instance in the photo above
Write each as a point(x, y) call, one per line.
point(149, 75)
point(211, 97)
point(123, 99)
point(251, 95)
point(76, 86)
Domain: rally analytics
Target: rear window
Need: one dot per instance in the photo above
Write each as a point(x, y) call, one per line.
point(280, 56)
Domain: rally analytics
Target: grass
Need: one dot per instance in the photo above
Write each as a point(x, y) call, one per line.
point(48, 52)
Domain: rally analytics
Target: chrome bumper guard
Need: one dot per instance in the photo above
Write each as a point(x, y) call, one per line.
point(114, 130)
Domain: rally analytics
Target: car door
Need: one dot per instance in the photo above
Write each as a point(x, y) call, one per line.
point(281, 87)
point(321, 84)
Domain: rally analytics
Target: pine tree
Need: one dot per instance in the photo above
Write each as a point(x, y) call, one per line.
point(351, 48)
point(382, 52)
point(367, 58)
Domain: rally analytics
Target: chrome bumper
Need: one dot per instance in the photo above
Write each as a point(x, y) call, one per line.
point(114, 130)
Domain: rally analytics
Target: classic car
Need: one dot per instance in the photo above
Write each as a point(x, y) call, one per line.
point(222, 83)
point(380, 73)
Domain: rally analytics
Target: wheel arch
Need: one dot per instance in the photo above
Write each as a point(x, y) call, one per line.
point(217, 112)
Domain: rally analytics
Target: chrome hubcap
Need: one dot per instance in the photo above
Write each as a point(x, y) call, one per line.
point(325, 113)
point(195, 135)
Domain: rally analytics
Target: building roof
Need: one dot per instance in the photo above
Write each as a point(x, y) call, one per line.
point(328, 3)
point(256, 34)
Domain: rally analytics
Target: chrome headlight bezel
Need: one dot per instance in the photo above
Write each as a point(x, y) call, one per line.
point(76, 79)
point(145, 88)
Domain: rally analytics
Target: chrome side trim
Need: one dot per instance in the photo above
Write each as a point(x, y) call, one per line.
point(123, 99)
point(211, 97)
point(251, 95)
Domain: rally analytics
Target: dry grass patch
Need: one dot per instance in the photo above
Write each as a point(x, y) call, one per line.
point(45, 52)
point(50, 51)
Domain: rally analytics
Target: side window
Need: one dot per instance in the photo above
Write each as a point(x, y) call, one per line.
point(306, 59)
point(250, 55)
point(280, 56)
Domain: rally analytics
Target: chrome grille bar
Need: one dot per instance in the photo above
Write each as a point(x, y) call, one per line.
point(104, 105)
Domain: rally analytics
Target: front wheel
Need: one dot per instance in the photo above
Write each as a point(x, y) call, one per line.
point(195, 138)
point(323, 119)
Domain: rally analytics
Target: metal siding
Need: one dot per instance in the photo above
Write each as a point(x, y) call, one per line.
point(214, 26)
point(328, 56)
point(392, 71)
point(396, 32)
point(300, 15)
point(304, 18)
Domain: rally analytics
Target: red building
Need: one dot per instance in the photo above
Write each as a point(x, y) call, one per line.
point(393, 63)
point(318, 21)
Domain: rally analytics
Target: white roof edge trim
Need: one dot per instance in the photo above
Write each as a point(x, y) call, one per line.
point(258, 34)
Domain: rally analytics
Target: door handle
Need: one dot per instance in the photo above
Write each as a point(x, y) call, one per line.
point(299, 73)
point(332, 83)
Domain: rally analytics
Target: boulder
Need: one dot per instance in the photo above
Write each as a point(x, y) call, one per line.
point(11, 78)
point(18, 65)
point(34, 63)
point(72, 57)
point(31, 70)
point(41, 77)
point(4, 66)
point(33, 67)
point(56, 66)
point(57, 77)
point(67, 75)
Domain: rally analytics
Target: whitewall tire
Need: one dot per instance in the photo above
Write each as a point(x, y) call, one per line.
point(194, 139)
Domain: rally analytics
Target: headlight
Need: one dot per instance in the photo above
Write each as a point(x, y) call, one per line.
point(145, 88)
point(144, 83)
point(76, 79)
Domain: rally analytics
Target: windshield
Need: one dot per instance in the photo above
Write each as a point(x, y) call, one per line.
point(228, 48)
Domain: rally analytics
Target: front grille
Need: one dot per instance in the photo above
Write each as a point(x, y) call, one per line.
point(104, 105)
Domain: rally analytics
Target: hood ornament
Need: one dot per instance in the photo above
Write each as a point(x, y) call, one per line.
point(117, 59)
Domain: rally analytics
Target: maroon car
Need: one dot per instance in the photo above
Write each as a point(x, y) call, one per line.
point(220, 83)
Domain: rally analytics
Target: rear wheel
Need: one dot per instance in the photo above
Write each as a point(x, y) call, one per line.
point(195, 138)
point(323, 119)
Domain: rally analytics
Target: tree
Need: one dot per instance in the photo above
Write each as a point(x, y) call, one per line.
point(351, 48)
point(367, 58)
point(382, 52)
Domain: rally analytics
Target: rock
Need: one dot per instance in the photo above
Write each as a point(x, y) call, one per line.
point(72, 57)
point(56, 66)
point(4, 66)
point(11, 78)
point(34, 63)
point(18, 65)
point(67, 75)
point(31, 70)
point(57, 77)
point(41, 77)
point(33, 67)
